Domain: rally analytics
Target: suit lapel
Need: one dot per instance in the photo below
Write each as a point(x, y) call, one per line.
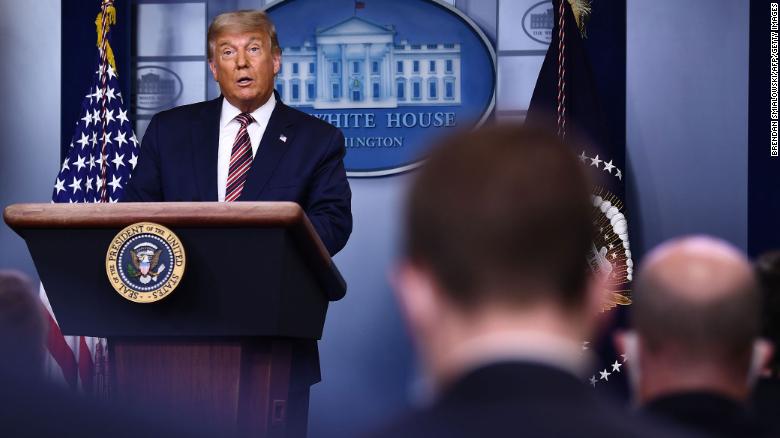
point(274, 144)
point(205, 149)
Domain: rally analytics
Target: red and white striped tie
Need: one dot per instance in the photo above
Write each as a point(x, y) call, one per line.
point(240, 159)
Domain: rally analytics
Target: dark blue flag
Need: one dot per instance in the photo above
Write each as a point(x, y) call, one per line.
point(566, 101)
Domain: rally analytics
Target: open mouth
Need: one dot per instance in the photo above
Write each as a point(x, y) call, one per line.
point(244, 81)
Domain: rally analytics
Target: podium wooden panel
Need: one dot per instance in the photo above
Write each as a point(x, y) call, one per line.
point(257, 283)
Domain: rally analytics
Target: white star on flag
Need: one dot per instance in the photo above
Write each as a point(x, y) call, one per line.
point(122, 117)
point(120, 138)
point(75, 185)
point(118, 160)
point(84, 141)
point(616, 366)
point(80, 163)
point(115, 183)
point(109, 116)
point(605, 375)
point(59, 185)
point(110, 94)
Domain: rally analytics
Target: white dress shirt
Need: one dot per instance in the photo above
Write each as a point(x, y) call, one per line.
point(228, 129)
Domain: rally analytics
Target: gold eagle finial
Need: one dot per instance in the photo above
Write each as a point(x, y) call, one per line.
point(111, 11)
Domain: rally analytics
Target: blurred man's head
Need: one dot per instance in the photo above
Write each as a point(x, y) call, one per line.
point(768, 270)
point(696, 321)
point(22, 326)
point(498, 229)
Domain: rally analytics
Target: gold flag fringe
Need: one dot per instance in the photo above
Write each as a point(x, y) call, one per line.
point(581, 10)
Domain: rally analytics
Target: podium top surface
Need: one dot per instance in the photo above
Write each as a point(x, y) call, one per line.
point(208, 214)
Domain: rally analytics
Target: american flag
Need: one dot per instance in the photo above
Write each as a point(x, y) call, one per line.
point(100, 158)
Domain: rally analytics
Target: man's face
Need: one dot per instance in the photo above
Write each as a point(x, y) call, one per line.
point(244, 66)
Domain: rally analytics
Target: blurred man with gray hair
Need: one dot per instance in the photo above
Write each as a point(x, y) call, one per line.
point(695, 350)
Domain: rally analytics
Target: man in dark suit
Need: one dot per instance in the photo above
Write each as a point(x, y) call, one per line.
point(496, 291)
point(695, 350)
point(246, 145)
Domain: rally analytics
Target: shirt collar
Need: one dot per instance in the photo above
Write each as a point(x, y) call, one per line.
point(261, 115)
point(531, 346)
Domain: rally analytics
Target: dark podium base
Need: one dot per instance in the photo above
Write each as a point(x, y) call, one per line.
point(240, 386)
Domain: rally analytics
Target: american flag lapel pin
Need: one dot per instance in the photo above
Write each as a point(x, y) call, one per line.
point(283, 138)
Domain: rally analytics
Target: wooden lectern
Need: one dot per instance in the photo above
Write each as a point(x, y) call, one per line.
point(256, 286)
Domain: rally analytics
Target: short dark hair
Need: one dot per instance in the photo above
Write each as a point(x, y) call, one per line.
point(22, 325)
point(502, 213)
point(768, 271)
point(720, 328)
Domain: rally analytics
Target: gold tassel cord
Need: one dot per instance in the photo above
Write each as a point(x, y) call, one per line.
point(99, 25)
point(581, 10)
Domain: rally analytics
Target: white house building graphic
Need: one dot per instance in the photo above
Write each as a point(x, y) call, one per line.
point(357, 64)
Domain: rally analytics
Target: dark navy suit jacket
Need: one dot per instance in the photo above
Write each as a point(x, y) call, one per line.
point(300, 159)
point(522, 399)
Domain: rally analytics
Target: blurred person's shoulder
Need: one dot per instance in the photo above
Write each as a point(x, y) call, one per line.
point(766, 404)
point(38, 408)
point(523, 399)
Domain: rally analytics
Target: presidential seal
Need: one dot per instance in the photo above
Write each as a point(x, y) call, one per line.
point(145, 262)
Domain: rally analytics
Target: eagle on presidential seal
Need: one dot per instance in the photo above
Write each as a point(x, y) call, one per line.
point(145, 259)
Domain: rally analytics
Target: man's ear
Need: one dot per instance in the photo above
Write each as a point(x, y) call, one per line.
point(213, 69)
point(416, 293)
point(596, 295)
point(763, 350)
point(277, 57)
point(619, 341)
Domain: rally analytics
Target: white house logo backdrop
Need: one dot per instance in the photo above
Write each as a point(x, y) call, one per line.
point(538, 22)
point(393, 74)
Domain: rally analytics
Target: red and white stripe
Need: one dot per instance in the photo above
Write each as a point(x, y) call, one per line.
point(77, 362)
point(240, 160)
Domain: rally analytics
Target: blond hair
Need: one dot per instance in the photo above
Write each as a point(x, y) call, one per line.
point(239, 22)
